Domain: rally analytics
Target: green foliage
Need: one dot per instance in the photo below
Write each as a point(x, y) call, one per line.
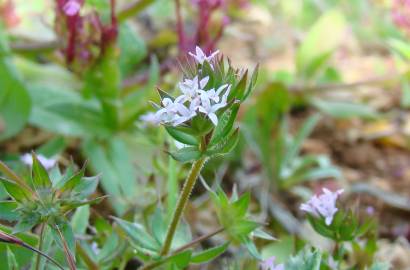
point(315, 50)
point(281, 154)
point(199, 134)
point(345, 226)
point(47, 202)
point(305, 260)
point(15, 103)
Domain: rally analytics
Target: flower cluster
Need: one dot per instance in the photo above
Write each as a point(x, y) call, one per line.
point(323, 205)
point(195, 99)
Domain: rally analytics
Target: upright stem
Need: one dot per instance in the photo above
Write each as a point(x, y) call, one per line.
point(40, 246)
point(182, 202)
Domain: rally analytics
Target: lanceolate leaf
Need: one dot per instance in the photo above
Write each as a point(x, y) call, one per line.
point(138, 235)
point(40, 176)
point(209, 254)
point(17, 192)
point(182, 136)
point(72, 182)
point(226, 145)
point(225, 124)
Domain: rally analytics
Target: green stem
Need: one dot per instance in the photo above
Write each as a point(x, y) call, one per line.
point(182, 202)
point(172, 183)
point(40, 246)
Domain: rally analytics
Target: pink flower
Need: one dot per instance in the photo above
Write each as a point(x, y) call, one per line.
point(323, 205)
point(269, 264)
point(72, 7)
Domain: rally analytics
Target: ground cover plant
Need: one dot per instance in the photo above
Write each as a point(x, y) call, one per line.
point(204, 134)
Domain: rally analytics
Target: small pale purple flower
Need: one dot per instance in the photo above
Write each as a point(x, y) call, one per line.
point(72, 7)
point(201, 57)
point(150, 118)
point(48, 163)
point(323, 205)
point(269, 264)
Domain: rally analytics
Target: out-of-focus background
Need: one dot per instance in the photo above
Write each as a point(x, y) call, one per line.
point(330, 108)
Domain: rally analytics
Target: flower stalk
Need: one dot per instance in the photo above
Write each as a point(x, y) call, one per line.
point(182, 202)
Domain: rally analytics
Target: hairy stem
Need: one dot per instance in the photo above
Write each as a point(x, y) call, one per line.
point(181, 204)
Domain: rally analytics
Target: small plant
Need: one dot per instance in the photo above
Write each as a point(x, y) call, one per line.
point(45, 199)
point(201, 119)
point(342, 227)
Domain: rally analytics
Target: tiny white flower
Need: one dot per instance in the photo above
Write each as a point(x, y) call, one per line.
point(269, 264)
point(169, 111)
point(47, 163)
point(190, 88)
point(323, 205)
point(215, 95)
point(184, 114)
point(201, 57)
point(210, 109)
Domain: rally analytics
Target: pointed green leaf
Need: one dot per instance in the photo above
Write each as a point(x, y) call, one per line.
point(181, 136)
point(225, 124)
point(73, 181)
point(138, 235)
point(18, 193)
point(40, 176)
point(252, 82)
